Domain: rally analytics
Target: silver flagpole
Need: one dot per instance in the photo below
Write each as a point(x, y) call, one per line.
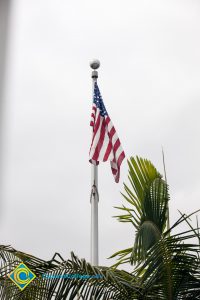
point(94, 198)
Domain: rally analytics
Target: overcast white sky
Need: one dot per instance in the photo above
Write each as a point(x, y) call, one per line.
point(149, 79)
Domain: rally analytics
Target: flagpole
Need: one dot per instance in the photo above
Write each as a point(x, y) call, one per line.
point(94, 198)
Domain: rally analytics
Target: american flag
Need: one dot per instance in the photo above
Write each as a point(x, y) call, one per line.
point(105, 142)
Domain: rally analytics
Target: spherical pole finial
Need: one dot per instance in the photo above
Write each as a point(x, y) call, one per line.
point(95, 64)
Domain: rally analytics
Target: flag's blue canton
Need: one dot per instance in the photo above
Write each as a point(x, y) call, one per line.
point(99, 101)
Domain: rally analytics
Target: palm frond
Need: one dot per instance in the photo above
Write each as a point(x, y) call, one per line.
point(51, 281)
point(153, 220)
point(172, 265)
point(148, 212)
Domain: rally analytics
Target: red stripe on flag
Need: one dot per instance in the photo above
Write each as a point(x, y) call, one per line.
point(96, 127)
point(120, 159)
point(114, 171)
point(116, 145)
point(100, 142)
point(94, 108)
point(117, 177)
point(93, 116)
point(111, 133)
point(108, 150)
point(107, 120)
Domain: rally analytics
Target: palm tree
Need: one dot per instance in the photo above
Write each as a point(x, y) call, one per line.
point(166, 265)
point(148, 197)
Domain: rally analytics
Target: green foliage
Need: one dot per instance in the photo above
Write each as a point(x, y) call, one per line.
point(148, 214)
point(172, 267)
point(111, 284)
point(167, 264)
